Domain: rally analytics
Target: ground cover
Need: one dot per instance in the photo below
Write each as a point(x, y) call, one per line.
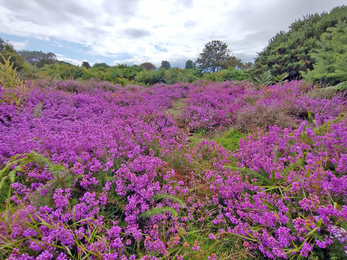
point(204, 170)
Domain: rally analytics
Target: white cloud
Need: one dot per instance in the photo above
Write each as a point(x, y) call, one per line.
point(152, 30)
point(19, 45)
point(62, 57)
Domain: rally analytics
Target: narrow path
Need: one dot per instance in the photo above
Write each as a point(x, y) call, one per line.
point(175, 112)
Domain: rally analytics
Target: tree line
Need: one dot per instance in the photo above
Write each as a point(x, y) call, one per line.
point(37, 64)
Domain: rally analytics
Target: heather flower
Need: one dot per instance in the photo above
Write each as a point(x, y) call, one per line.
point(196, 246)
point(45, 255)
point(306, 249)
point(211, 236)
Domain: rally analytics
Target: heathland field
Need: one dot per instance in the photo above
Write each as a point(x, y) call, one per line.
point(208, 170)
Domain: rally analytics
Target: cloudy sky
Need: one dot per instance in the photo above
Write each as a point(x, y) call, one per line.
point(137, 31)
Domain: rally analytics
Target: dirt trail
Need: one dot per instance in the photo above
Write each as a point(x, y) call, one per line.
point(176, 112)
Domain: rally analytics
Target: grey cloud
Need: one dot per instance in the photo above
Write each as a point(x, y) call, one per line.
point(251, 40)
point(245, 57)
point(276, 15)
point(189, 23)
point(181, 5)
point(136, 33)
point(185, 3)
point(93, 31)
point(121, 7)
point(45, 11)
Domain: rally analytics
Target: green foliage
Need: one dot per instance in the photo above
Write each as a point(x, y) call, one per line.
point(148, 66)
point(189, 64)
point(150, 76)
point(292, 52)
point(267, 78)
point(165, 64)
point(231, 139)
point(103, 66)
point(86, 64)
point(157, 211)
point(62, 178)
point(58, 71)
point(264, 79)
point(8, 52)
point(168, 196)
point(38, 57)
point(233, 62)
point(38, 110)
point(190, 75)
point(214, 57)
point(233, 74)
point(43, 62)
point(331, 58)
point(8, 75)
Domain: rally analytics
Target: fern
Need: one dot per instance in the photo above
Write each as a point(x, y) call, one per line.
point(38, 110)
point(61, 176)
point(167, 196)
point(8, 173)
point(162, 210)
point(8, 75)
point(157, 211)
point(264, 79)
point(325, 127)
point(341, 87)
point(9, 80)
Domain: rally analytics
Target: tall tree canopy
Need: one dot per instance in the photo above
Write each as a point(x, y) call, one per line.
point(86, 64)
point(102, 65)
point(7, 50)
point(189, 64)
point(148, 66)
point(33, 57)
point(214, 57)
point(293, 52)
point(165, 64)
point(331, 59)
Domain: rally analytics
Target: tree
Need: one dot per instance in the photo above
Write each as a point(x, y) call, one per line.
point(7, 50)
point(331, 58)
point(85, 64)
point(190, 64)
point(235, 63)
point(100, 65)
point(2, 44)
point(294, 52)
point(214, 57)
point(44, 62)
point(148, 66)
point(165, 64)
point(33, 57)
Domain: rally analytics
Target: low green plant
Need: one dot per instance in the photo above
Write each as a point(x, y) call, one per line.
point(231, 139)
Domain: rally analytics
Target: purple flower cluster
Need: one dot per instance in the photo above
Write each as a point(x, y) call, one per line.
point(222, 105)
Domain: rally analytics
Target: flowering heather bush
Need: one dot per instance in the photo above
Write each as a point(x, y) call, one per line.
point(213, 106)
point(241, 107)
point(96, 174)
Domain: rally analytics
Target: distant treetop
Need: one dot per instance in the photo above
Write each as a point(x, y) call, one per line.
point(148, 66)
point(165, 64)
